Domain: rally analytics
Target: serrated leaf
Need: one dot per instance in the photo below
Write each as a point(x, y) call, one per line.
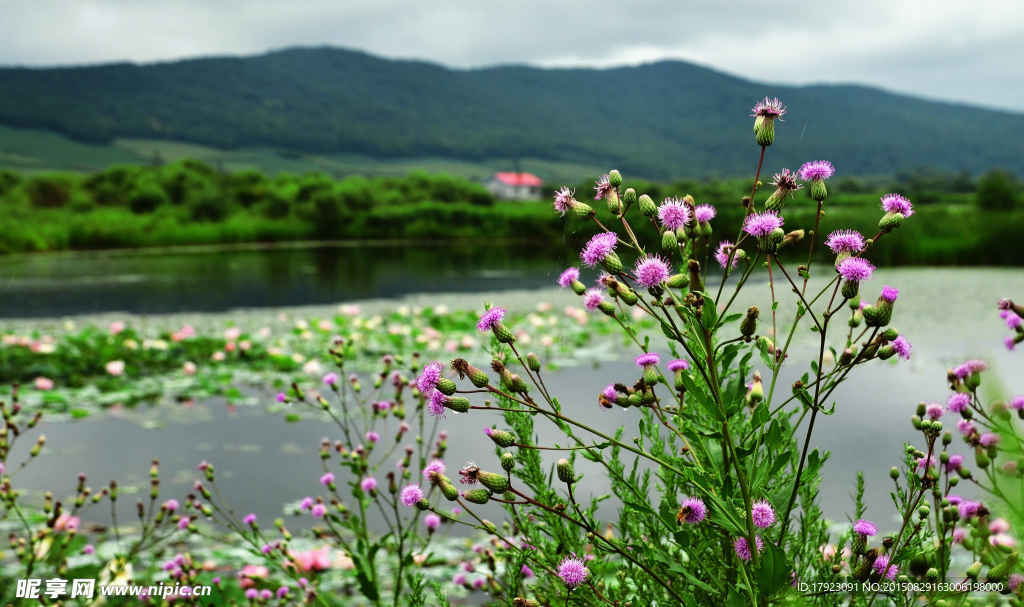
point(774, 573)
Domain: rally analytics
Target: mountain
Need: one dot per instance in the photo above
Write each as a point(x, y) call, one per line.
point(659, 120)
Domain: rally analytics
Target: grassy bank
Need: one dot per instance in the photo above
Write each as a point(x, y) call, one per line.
point(191, 203)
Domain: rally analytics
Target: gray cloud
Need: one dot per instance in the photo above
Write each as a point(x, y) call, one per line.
point(945, 49)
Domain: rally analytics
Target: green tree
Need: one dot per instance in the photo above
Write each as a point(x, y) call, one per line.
point(997, 190)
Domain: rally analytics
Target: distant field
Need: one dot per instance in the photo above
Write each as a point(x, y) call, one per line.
point(33, 151)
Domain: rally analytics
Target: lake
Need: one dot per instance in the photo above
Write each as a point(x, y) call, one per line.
point(262, 462)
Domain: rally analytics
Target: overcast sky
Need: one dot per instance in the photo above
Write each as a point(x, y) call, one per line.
point(956, 50)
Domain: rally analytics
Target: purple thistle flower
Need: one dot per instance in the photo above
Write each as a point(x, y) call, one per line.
point(572, 572)
point(865, 528)
point(249, 519)
point(954, 499)
point(1017, 402)
point(282, 592)
point(318, 511)
point(563, 200)
point(894, 203)
point(743, 549)
point(435, 403)
point(490, 318)
point(526, 572)
point(592, 298)
point(955, 462)
point(762, 224)
point(567, 277)
point(478, 583)
point(183, 522)
point(890, 294)
point(282, 397)
point(816, 169)
point(598, 248)
point(693, 510)
point(924, 462)
point(965, 427)
point(1012, 320)
point(651, 358)
point(674, 213)
point(881, 567)
point(330, 379)
point(410, 495)
point(434, 466)
point(306, 504)
point(327, 478)
point(989, 439)
point(678, 365)
point(651, 271)
point(934, 411)
point(459, 579)
point(172, 505)
point(610, 393)
point(1015, 580)
point(958, 402)
point(959, 535)
point(855, 269)
point(845, 241)
point(762, 514)
point(368, 484)
point(428, 379)
point(968, 508)
point(252, 593)
point(602, 186)
point(1010, 343)
point(722, 253)
point(704, 213)
point(432, 521)
point(902, 347)
point(468, 473)
point(769, 108)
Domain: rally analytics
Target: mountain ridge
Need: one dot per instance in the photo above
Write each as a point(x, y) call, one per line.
point(661, 119)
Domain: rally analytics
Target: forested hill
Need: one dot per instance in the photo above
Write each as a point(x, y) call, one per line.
point(666, 119)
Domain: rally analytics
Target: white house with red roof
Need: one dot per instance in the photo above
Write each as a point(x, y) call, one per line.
point(515, 186)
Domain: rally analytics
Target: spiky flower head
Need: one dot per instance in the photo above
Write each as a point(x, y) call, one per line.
point(678, 365)
point(644, 360)
point(894, 203)
point(435, 403)
point(368, 484)
point(573, 572)
point(786, 180)
point(602, 187)
point(610, 393)
point(934, 411)
point(743, 549)
point(769, 108)
point(490, 318)
point(674, 213)
point(855, 269)
point(902, 347)
point(988, 439)
point(592, 298)
point(882, 567)
point(968, 508)
point(956, 461)
point(410, 495)
point(724, 251)
point(975, 365)
point(704, 213)
point(889, 294)
point(692, 511)
point(651, 271)
point(434, 466)
point(865, 528)
point(762, 224)
point(428, 379)
point(563, 200)
point(567, 277)
point(762, 514)
point(816, 169)
point(599, 247)
point(845, 241)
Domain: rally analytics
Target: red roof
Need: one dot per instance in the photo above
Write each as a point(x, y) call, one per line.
point(519, 179)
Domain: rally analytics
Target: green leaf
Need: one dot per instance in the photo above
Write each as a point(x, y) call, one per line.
point(708, 315)
point(292, 418)
point(79, 413)
point(774, 573)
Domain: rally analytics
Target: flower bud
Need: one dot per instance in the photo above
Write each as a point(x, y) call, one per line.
point(532, 362)
point(612, 198)
point(565, 471)
point(894, 473)
point(614, 178)
point(850, 289)
point(647, 206)
point(508, 462)
point(629, 197)
point(519, 385)
point(503, 333)
point(423, 504)
point(932, 575)
point(890, 334)
point(612, 263)
point(886, 352)
point(501, 438)
point(748, 326)
point(974, 570)
point(669, 242)
point(678, 281)
point(847, 356)
point(446, 386)
point(497, 483)
point(981, 458)
point(477, 496)
point(581, 209)
point(696, 280)
point(607, 307)
point(764, 130)
point(1000, 571)
point(442, 482)
point(818, 190)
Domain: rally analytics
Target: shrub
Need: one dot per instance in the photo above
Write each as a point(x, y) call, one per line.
point(997, 191)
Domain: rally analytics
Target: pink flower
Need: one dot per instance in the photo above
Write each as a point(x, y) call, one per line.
point(116, 327)
point(44, 383)
point(66, 522)
point(115, 367)
point(312, 560)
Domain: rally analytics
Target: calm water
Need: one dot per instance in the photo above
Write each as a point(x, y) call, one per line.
point(263, 462)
